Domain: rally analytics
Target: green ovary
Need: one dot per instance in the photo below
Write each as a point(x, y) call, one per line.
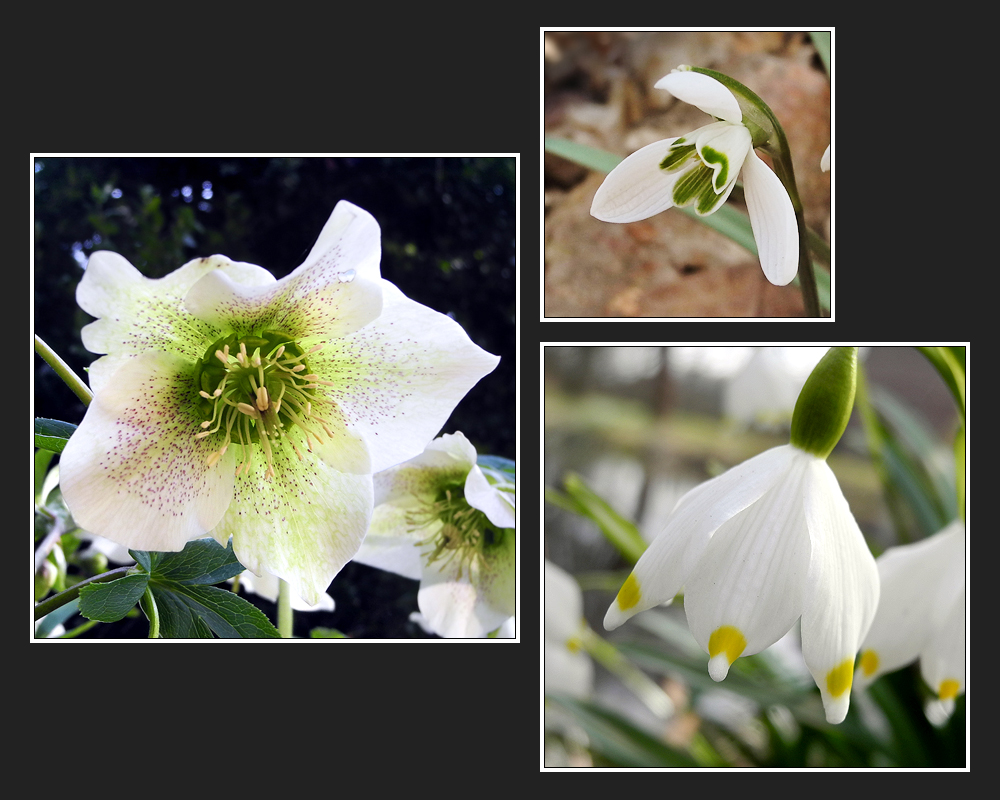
point(254, 389)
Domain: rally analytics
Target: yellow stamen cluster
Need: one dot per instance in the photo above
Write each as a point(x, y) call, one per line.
point(258, 394)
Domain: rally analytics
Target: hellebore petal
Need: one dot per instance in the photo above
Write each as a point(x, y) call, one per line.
point(133, 471)
point(772, 219)
point(704, 92)
point(137, 314)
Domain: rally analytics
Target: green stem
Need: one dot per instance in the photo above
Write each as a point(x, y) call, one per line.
point(769, 136)
point(50, 604)
point(62, 369)
point(284, 609)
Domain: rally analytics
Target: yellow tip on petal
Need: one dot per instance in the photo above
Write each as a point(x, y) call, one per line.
point(724, 646)
point(948, 689)
point(838, 679)
point(629, 594)
point(869, 662)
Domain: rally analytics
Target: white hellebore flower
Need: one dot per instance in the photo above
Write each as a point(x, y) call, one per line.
point(921, 615)
point(235, 405)
point(767, 542)
point(700, 169)
point(449, 523)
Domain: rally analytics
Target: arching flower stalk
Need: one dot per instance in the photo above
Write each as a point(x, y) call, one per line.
point(232, 404)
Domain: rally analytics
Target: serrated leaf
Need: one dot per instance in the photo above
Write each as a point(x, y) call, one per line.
point(112, 600)
point(193, 611)
point(52, 434)
point(201, 562)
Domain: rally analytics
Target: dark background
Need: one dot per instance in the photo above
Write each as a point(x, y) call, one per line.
point(448, 241)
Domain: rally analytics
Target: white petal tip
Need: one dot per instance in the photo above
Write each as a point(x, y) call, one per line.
point(613, 618)
point(836, 708)
point(718, 667)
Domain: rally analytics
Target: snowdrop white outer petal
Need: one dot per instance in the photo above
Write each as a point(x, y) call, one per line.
point(637, 188)
point(133, 468)
point(663, 569)
point(824, 162)
point(704, 92)
point(843, 589)
point(772, 219)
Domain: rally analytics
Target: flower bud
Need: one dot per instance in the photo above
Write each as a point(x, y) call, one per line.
point(825, 402)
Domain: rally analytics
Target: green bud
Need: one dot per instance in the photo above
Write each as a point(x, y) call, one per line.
point(825, 402)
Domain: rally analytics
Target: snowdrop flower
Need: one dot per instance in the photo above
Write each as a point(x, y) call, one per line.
point(567, 667)
point(448, 522)
point(824, 162)
point(921, 615)
point(700, 169)
point(235, 405)
point(766, 542)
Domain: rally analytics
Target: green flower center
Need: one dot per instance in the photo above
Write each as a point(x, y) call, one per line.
point(254, 390)
point(464, 535)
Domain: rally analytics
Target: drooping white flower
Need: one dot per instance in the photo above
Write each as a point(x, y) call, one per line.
point(568, 668)
point(921, 614)
point(771, 540)
point(701, 169)
point(442, 519)
point(232, 404)
point(824, 162)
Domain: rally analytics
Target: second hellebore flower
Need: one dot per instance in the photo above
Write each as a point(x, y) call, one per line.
point(442, 519)
point(700, 169)
point(769, 541)
point(235, 405)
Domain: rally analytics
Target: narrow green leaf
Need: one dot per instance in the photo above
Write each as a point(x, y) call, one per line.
point(590, 157)
point(52, 434)
point(110, 601)
point(623, 534)
point(618, 740)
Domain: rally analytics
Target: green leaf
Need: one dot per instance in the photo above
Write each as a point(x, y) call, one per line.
point(950, 364)
point(590, 157)
point(110, 601)
point(196, 611)
point(618, 740)
point(203, 561)
point(52, 434)
point(623, 534)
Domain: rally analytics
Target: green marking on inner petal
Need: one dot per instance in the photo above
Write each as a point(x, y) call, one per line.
point(716, 157)
point(697, 185)
point(677, 156)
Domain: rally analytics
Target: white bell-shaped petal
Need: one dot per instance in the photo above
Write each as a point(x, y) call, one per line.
point(772, 219)
point(665, 566)
point(704, 92)
point(843, 589)
point(921, 614)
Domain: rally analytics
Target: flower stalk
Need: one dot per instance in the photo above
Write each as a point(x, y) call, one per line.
point(62, 369)
point(770, 137)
